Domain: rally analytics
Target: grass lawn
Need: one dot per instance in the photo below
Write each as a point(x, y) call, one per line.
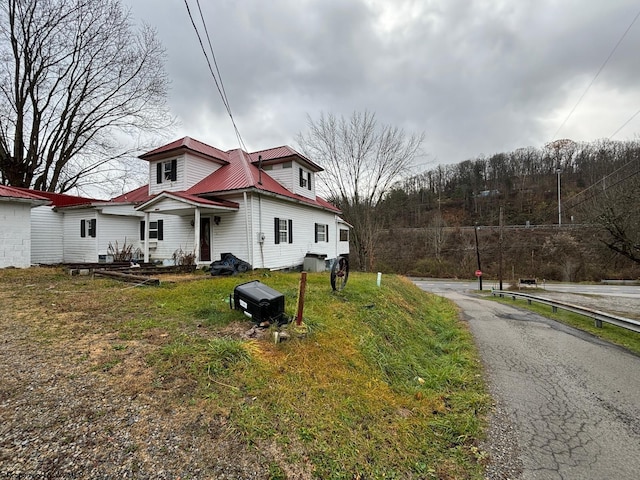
point(385, 382)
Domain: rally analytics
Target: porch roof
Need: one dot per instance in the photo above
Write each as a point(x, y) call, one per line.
point(181, 203)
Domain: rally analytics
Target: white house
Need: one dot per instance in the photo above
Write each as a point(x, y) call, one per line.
point(262, 207)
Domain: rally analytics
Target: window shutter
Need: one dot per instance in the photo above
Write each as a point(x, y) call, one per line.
point(290, 231)
point(309, 180)
point(160, 230)
point(174, 170)
point(277, 230)
point(315, 229)
point(92, 228)
point(159, 173)
point(326, 233)
point(141, 229)
point(301, 177)
point(83, 228)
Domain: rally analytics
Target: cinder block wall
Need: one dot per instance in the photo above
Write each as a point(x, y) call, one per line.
point(15, 235)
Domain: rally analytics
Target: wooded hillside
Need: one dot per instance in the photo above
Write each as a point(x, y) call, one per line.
point(431, 218)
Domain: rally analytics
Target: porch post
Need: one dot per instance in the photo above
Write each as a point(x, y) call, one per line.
point(146, 237)
point(196, 234)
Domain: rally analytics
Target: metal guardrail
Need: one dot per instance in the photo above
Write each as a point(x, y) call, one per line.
point(597, 315)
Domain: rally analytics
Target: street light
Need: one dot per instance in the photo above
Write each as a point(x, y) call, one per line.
point(558, 170)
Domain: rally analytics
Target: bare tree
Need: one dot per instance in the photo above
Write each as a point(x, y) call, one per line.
point(79, 86)
point(437, 234)
point(362, 160)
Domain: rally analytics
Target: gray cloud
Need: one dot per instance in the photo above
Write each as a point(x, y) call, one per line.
point(478, 77)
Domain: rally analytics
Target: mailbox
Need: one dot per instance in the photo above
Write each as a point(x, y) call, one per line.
point(259, 302)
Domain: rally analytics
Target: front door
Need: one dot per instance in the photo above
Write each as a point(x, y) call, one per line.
point(205, 239)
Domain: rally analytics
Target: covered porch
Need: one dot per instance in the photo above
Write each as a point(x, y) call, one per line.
point(203, 212)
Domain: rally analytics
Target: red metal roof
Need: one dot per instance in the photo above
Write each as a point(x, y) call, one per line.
point(19, 193)
point(239, 171)
point(240, 174)
point(205, 201)
point(187, 143)
point(140, 194)
point(58, 199)
point(284, 151)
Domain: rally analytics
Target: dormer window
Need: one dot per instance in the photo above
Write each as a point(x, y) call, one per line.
point(305, 179)
point(167, 171)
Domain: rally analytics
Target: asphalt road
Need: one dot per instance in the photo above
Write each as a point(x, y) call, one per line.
point(568, 404)
point(442, 286)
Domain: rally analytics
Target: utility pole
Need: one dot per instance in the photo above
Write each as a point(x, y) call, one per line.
point(478, 256)
point(501, 237)
point(558, 170)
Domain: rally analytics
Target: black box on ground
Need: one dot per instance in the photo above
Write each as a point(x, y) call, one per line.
point(259, 302)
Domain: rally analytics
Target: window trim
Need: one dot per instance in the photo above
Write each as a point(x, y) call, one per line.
point(159, 230)
point(302, 178)
point(283, 227)
point(88, 228)
point(321, 232)
point(167, 171)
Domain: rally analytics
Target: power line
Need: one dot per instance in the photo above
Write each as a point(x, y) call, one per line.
point(596, 76)
point(624, 124)
point(217, 79)
point(225, 99)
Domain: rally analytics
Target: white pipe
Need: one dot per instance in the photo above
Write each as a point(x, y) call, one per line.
point(246, 228)
point(196, 234)
point(146, 237)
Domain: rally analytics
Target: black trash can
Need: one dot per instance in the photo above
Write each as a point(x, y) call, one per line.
point(259, 302)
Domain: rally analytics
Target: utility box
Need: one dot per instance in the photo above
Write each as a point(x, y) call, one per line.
point(314, 262)
point(259, 302)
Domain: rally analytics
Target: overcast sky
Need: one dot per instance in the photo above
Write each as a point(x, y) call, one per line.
point(477, 77)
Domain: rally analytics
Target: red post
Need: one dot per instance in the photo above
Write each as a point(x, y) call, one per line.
point(303, 286)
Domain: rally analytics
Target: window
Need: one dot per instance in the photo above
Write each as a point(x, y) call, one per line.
point(88, 228)
point(167, 171)
point(303, 179)
point(153, 230)
point(283, 230)
point(322, 232)
point(309, 180)
point(287, 165)
point(156, 230)
point(344, 235)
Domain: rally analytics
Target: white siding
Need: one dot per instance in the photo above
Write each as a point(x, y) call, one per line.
point(178, 234)
point(342, 247)
point(119, 231)
point(198, 168)
point(77, 248)
point(299, 189)
point(284, 176)
point(289, 178)
point(191, 170)
point(15, 234)
point(264, 210)
point(47, 239)
point(233, 234)
point(167, 185)
point(119, 209)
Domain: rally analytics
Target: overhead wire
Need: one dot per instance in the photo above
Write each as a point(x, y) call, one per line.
point(624, 124)
point(596, 76)
point(217, 79)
